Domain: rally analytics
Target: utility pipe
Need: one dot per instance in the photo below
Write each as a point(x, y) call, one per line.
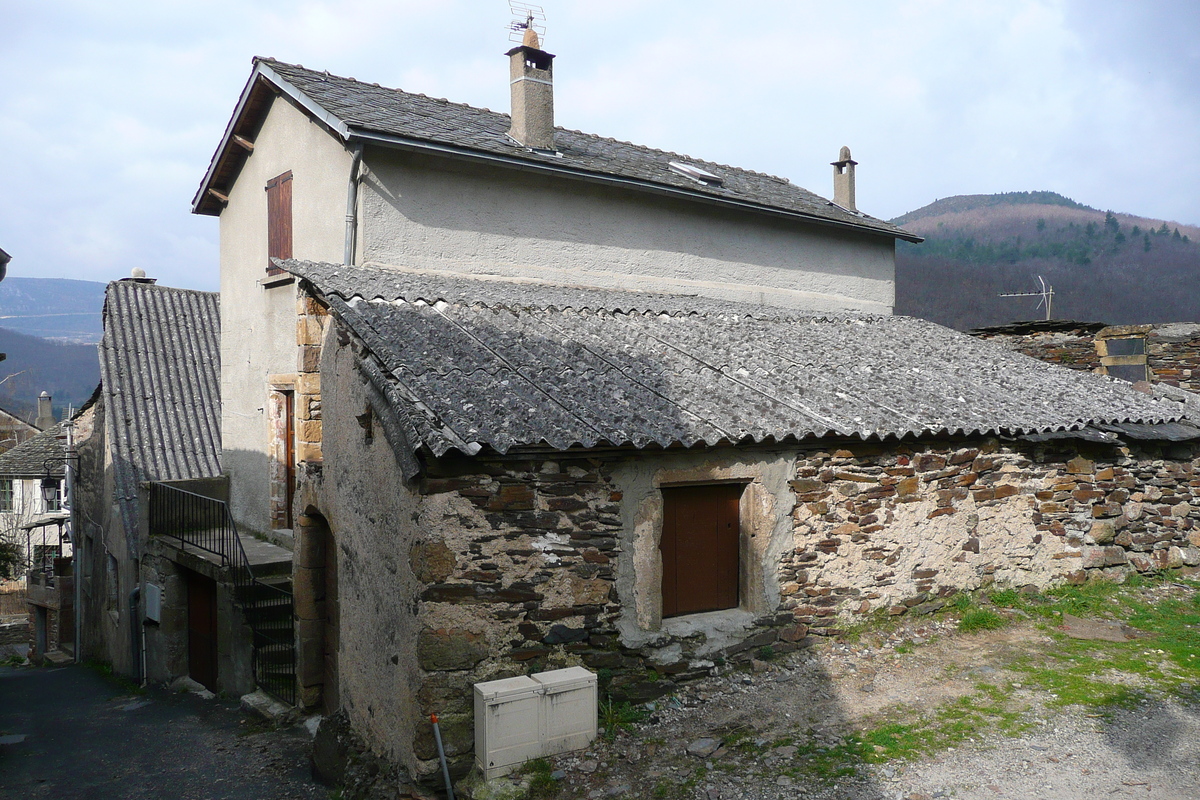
point(437, 735)
point(352, 206)
point(77, 554)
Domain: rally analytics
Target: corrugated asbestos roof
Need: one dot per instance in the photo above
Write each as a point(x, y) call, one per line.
point(467, 363)
point(37, 456)
point(363, 109)
point(160, 366)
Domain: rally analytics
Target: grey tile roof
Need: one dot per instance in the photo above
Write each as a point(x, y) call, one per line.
point(34, 457)
point(160, 366)
point(370, 108)
point(467, 363)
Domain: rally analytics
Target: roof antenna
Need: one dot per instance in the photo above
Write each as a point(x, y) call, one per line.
point(1047, 295)
point(524, 29)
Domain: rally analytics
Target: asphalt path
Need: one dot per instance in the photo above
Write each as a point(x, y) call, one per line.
point(71, 732)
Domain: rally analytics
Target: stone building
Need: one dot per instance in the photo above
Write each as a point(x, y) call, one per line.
point(155, 607)
point(518, 476)
point(518, 397)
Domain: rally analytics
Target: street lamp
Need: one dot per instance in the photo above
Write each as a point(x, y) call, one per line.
point(51, 493)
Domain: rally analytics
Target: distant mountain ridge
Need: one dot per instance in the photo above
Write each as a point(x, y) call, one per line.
point(53, 308)
point(970, 202)
point(1103, 265)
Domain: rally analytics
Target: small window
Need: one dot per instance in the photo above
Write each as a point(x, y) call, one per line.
point(1127, 347)
point(1123, 355)
point(700, 547)
point(112, 588)
point(279, 220)
point(6, 495)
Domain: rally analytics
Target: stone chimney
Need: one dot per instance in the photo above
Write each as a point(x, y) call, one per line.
point(843, 180)
point(531, 78)
point(45, 417)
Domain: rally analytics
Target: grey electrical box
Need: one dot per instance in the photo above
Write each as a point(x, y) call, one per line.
point(522, 718)
point(153, 603)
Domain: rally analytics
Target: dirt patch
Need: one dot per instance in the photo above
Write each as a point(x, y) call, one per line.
point(812, 709)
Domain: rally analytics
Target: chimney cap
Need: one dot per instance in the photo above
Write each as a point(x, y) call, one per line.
point(843, 157)
point(44, 394)
point(138, 275)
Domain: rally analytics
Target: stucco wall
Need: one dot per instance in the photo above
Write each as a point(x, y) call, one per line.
point(441, 214)
point(258, 323)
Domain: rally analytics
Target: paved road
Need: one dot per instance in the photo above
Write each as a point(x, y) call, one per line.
point(84, 737)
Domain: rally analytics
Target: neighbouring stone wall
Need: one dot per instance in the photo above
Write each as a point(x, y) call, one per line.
point(899, 528)
point(1174, 355)
point(1173, 351)
point(517, 577)
point(521, 565)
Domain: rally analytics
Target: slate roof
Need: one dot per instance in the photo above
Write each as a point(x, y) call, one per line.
point(31, 458)
point(467, 363)
point(160, 366)
point(362, 110)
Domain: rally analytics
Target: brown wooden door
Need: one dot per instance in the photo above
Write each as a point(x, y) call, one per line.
point(289, 453)
point(202, 630)
point(700, 546)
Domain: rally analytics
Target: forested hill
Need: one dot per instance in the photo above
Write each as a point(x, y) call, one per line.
point(69, 372)
point(1104, 266)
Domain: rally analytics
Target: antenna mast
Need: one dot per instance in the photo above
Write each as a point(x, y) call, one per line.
point(1047, 295)
point(525, 24)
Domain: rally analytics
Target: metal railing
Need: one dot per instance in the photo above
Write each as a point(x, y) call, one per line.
point(206, 524)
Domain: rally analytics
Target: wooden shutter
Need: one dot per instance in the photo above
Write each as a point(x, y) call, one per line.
point(279, 220)
point(700, 547)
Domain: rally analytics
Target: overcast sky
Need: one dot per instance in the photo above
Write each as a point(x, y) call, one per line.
point(110, 112)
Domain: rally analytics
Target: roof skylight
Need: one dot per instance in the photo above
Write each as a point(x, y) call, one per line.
point(696, 173)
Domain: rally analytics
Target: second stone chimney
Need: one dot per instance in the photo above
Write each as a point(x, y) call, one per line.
point(531, 77)
point(843, 180)
point(45, 417)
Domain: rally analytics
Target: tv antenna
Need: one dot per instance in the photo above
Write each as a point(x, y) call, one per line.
point(525, 24)
point(1047, 295)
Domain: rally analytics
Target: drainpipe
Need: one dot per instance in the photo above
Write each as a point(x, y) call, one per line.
point(77, 554)
point(352, 205)
point(135, 638)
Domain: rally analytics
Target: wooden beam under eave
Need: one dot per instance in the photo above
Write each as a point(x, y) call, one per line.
point(244, 143)
point(223, 198)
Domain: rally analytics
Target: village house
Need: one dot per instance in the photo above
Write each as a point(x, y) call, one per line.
point(513, 397)
point(34, 528)
point(157, 423)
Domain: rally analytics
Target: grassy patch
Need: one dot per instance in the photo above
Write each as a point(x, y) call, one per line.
point(981, 619)
point(540, 772)
point(619, 716)
point(987, 710)
point(1110, 675)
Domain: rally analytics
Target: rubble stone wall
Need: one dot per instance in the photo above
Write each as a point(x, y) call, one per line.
point(899, 528)
point(1173, 351)
point(489, 568)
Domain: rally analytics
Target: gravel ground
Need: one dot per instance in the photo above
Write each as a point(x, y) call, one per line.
point(815, 697)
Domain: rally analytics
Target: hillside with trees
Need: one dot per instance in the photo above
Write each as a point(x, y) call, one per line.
point(69, 372)
point(1104, 266)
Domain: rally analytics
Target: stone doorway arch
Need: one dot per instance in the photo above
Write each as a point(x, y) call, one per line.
point(317, 612)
